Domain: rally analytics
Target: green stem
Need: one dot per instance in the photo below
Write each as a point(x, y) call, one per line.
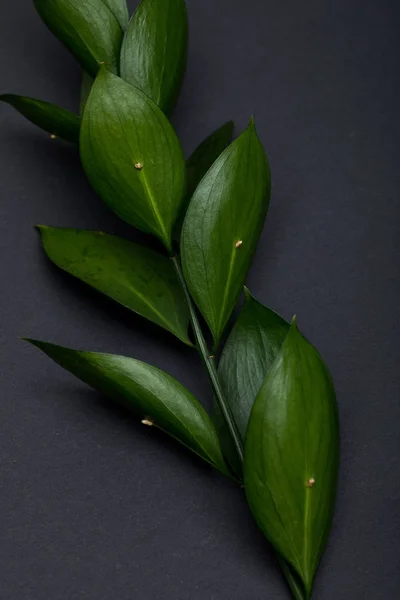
point(209, 364)
point(224, 406)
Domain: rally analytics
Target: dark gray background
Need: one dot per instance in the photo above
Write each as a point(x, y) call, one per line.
point(95, 506)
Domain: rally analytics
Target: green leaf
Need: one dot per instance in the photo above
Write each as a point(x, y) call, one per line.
point(88, 28)
point(206, 154)
point(132, 156)
point(246, 359)
point(153, 395)
point(86, 86)
point(154, 50)
point(292, 456)
point(119, 9)
point(200, 161)
point(53, 119)
point(222, 226)
point(138, 278)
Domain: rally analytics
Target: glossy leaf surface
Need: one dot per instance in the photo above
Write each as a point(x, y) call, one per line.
point(292, 455)
point(247, 357)
point(154, 50)
point(222, 227)
point(135, 276)
point(119, 8)
point(132, 156)
point(53, 119)
point(200, 161)
point(88, 28)
point(152, 394)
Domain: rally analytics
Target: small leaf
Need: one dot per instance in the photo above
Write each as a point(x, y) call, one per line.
point(86, 86)
point(154, 50)
point(138, 278)
point(89, 29)
point(246, 359)
point(292, 455)
point(200, 161)
point(156, 397)
point(119, 8)
point(53, 119)
point(222, 226)
point(132, 156)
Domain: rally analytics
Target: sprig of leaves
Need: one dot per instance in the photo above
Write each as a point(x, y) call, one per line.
point(274, 425)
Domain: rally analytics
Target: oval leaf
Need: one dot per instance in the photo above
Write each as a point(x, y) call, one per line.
point(53, 119)
point(200, 161)
point(132, 156)
point(246, 359)
point(153, 395)
point(291, 456)
point(222, 226)
point(138, 278)
point(89, 29)
point(154, 50)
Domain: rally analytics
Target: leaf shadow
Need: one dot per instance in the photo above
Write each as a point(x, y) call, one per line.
point(229, 514)
point(112, 415)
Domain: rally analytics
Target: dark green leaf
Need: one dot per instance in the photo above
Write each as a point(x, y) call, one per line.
point(246, 359)
point(119, 9)
point(53, 119)
point(88, 28)
point(132, 156)
point(154, 50)
point(86, 86)
point(291, 456)
point(222, 226)
point(136, 277)
point(153, 395)
point(200, 161)
point(206, 154)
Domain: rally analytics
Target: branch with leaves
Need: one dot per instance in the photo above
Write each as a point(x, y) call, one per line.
point(274, 427)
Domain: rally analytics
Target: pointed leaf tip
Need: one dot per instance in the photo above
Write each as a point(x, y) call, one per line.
point(222, 227)
point(248, 295)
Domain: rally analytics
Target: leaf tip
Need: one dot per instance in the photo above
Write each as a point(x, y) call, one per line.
point(29, 340)
point(248, 295)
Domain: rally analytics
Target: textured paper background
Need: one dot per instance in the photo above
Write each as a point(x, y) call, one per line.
point(95, 506)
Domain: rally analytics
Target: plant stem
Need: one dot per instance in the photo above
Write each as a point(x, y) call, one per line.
point(209, 363)
point(223, 404)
